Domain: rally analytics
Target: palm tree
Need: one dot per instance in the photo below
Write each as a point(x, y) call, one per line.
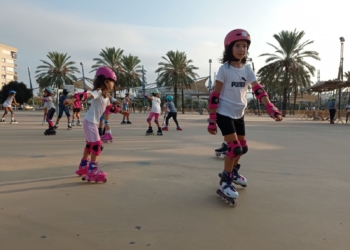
point(131, 72)
point(347, 76)
point(289, 62)
point(176, 70)
point(58, 72)
point(111, 58)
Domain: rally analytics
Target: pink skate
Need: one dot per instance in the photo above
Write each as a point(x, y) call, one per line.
point(107, 137)
point(95, 175)
point(165, 128)
point(179, 129)
point(83, 170)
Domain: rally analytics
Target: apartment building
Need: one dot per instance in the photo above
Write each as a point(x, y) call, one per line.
point(8, 66)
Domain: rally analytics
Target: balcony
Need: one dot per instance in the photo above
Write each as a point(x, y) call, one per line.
point(15, 65)
point(14, 55)
point(15, 73)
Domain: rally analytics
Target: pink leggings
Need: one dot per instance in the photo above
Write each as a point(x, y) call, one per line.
point(156, 116)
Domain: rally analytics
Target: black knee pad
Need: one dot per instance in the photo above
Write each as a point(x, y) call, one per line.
point(5, 112)
point(244, 150)
point(12, 112)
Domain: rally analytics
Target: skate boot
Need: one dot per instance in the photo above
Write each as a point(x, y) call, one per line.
point(128, 122)
point(226, 190)
point(123, 122)
point(107, 137)
point(73, 123)
point(95, 175)
point(149, 131)
point(2, 120)
point(13, 121)
point(83, 168)
point(56, 126)
point(69, 126)
point(237, 178)
point(79, 123)
point(221, 150)
point(165, 128)
point(50, 131)
point(179, 129)
point(159, 132)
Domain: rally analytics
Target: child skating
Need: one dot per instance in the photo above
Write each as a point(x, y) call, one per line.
point(172, 113)
point(64, 108)
point(166, 111)
point(227, 104)
point(103, 84)
point(126, 102)
point(155, 112)
point(76, 112)
point(48, 99)
point(8, 107)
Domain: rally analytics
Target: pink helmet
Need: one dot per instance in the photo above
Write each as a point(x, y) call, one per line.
point(106, 72)
point(237, 35)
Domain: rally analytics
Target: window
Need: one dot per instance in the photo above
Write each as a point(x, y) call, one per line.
point(3, 60)
point(3, 76)
point(9, 69)
point(6, 52)
point(3, 68)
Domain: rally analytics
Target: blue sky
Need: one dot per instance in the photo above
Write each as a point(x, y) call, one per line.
point(148, 29)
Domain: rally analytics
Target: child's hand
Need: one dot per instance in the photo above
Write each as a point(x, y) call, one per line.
point(278, 118)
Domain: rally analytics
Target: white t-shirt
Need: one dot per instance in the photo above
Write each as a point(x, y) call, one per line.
point(98, 106)
point(8, 102)
point(156, 105)
point(233, 93)
point(166, 106)
point(49, 103)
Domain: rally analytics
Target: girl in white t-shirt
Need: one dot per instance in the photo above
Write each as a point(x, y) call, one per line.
point(51, 109)
point(8, 106)
point(227, 104)
point(155, 112)
point(103, 83)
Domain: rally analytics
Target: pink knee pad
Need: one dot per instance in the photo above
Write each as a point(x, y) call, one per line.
point(96, 147)
point(88, 147)
point(234, 149)
point(244, 146)
point(149, 119)
point(156, 121)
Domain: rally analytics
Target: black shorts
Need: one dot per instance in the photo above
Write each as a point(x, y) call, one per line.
point(76, 110)
point(229, 126)
point(65, 109)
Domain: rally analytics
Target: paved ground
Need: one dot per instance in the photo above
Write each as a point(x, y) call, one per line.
point(160, 192)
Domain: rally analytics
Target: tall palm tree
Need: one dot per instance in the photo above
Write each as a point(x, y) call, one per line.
point(176, 70)
point(347, 76)
point(58, 72)
point(131, 72)
point(288, 62)
point(110, 57)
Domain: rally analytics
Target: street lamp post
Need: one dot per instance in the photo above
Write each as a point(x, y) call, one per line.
point(210, 82)
point(340, 73)
point(82, 70)
point(31, 86)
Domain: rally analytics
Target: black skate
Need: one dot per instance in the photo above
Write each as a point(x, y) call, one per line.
point(149, 131)
point(69, 127)
point(159, 132)
point(227, 191)
point(128, 122)
point(2, 120)
point(237, 178)
point(13, 121)
point(50, 131)
point(221, 151)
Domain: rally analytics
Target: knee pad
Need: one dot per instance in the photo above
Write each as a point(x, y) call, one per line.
point(244, 146)
point(96, 147)
point(234, 149)
point(106, 122)
point(149, 119)
point(59, 117)
point(12, 112)
point(156, 121)
point(88, 147)
point(5, 112)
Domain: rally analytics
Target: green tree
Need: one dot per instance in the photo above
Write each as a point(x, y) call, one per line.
point(176, 70)
point(110, 57)
point(288, 63)
point(58, 72)
point(23, 94)
point(131, 72)
point(347, 76)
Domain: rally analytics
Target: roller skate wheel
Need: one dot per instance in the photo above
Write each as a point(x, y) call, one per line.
point(105, 180)
point(96, 180)
point(220, 175)
point(217, 154)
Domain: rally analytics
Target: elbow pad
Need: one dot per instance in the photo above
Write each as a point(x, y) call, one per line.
point(214, 100)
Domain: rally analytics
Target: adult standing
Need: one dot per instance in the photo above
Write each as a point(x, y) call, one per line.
point(331, 108)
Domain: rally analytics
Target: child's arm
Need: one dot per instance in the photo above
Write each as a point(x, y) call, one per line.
point(262, 96)
point(213, 105)
point(14, 100)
